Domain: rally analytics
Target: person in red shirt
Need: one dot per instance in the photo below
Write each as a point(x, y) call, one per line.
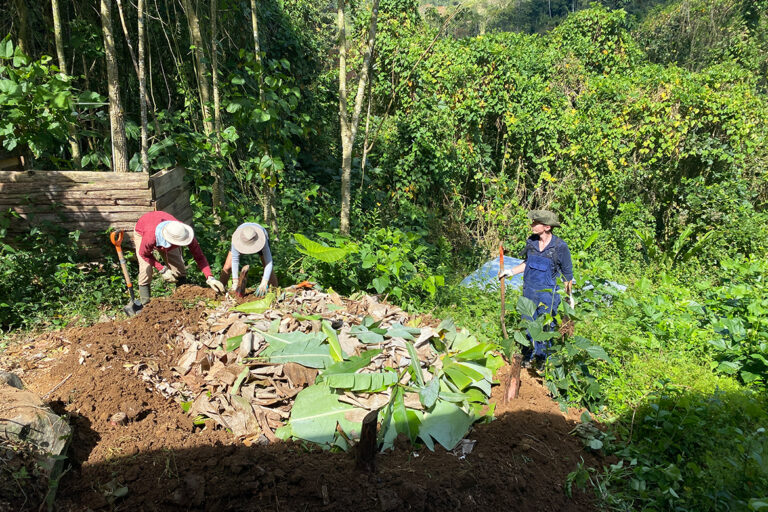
point(162, 232)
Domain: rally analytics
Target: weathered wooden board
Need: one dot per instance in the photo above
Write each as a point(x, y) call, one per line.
point(85, 202)
point(165, 181)
point(91, 202)
point(27, 187)
point(14, 163)
point(66, 209)
point(40, 177)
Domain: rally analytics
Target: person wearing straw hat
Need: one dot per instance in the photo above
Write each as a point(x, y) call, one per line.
point(546, 257)
point(249, 238)
point(162, 232)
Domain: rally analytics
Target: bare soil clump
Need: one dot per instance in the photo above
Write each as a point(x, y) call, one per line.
point(155, 458)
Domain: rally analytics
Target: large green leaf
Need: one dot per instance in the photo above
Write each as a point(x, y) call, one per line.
point(415, 364)
point(315, 414)
point(354, 363)
point(277, 340)
point(311, 353)
point(366, 335)
point(428, 394)
point(400, 331)
point(397, 419)
point(361, 382)
point(447, 424)
point(333, 341)
point(318, 251)
point(257, 306)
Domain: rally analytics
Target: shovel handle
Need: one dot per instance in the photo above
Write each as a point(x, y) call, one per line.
point(117, 239)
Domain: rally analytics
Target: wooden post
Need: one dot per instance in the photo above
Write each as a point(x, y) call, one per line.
point(366, 449)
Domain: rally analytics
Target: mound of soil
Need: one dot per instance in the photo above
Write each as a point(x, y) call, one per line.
point(157, 459)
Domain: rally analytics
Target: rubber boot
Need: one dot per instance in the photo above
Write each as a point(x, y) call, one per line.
point(145, 293)
point(181, 280)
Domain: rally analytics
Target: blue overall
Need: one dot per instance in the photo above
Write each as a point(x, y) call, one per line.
point(540, 285)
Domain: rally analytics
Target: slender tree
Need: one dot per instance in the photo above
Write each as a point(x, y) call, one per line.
point(23, 13)
point(201, 70)
point(74, 145)
point(143, 89)
point(349, 124)
point(116, 114)
point(268, 197)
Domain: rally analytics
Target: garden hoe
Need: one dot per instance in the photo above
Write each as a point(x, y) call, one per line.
point(134, 306)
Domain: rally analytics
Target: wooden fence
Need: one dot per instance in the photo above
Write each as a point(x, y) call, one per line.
point(91, 202)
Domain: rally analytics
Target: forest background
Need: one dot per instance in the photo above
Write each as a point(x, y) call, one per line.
point(406, 151)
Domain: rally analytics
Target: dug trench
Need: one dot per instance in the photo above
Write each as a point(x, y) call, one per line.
point(158, 459)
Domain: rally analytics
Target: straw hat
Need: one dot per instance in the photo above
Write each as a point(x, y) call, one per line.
point(178, 233)
point(249, 239)
point(546, 217)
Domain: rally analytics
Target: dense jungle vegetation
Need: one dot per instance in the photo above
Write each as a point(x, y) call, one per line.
point(642, 123)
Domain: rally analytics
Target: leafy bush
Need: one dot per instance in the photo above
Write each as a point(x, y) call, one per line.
point(687, 451)
point(46, 283)
point(385, 261)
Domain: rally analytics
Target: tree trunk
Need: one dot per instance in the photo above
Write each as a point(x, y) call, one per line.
point(269, 196)
point(74, 146)
point(349, 126)
point(143, 90)
point(201, 69)
point(116, 114)
point(217, 185)
point(23, 40)
point(204, 90)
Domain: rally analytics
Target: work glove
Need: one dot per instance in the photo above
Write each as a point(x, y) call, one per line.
point(169, 276)
point(235, 282)
point(507, 272)
point(261, 291)
point(215, 284)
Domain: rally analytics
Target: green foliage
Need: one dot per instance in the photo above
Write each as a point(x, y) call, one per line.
point(697, 33)
point(385, 261)
point(686, 451)
point(36, 104)
point(42, 287)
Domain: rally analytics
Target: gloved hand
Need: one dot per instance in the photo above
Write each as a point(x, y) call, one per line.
point(169, 276)
point(215, 284)
point(261, 291)
point(507, 272)
point(233, 286)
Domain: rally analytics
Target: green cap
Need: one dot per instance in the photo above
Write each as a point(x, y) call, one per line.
point(546, 217)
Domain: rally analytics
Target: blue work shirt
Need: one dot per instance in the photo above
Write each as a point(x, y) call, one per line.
point(557, 251)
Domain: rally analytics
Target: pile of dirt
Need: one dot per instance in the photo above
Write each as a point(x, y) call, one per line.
point(157, 459)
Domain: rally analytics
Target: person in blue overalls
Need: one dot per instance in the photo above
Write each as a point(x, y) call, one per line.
point(546, 257)
point(249, 238)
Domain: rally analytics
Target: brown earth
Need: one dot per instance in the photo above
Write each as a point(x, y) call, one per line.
point(159, 460)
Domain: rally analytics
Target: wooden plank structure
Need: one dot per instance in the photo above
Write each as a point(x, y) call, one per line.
point(92, 202)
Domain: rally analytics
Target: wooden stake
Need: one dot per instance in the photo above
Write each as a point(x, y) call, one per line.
point(366, 448)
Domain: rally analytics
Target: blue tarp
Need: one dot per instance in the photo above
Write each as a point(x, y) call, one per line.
point(487, 276)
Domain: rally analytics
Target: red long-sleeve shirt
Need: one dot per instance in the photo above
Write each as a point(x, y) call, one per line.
point(146, 226)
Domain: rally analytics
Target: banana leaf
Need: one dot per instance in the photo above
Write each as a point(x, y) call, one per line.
point(354, 363)
point(257, 306)
point(447, 424)
point(333, 341)
point(318, 251)
point(361, 382)
point(315, 414)
point(400, 331)
point(311, 353)
point(278, 340)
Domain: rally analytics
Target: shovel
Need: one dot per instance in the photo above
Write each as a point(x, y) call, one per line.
point(134, 306)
